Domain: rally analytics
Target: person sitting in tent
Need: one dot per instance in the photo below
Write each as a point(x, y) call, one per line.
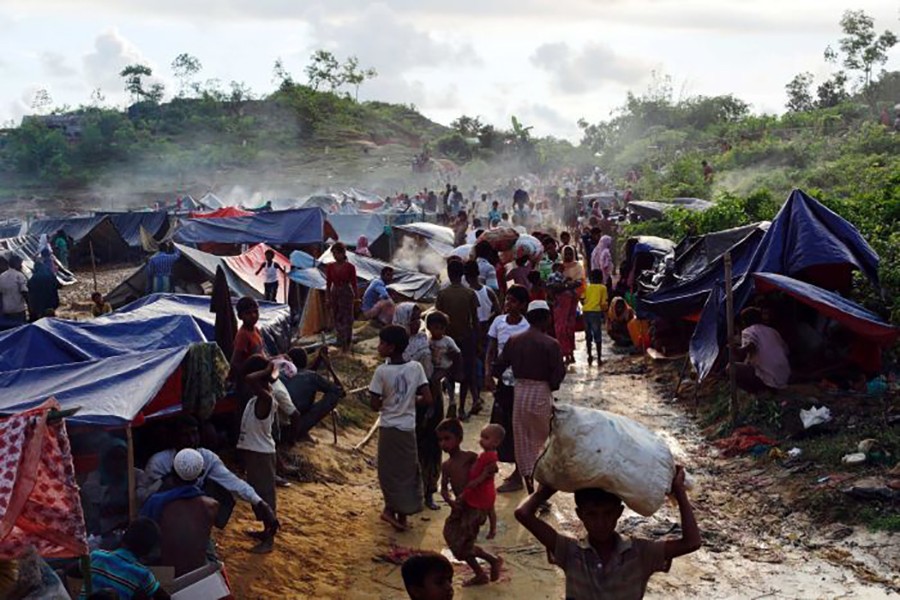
point(215, 479)
point(377, 304)
point(43, 292)
point(185, 515)
point(763, 353)
point(99, 305)
point(362, 247)
point(122, 570)
point(620, 314)
point(302, 388)
point(159, 269)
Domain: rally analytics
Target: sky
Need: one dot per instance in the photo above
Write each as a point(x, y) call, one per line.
point(547, 62)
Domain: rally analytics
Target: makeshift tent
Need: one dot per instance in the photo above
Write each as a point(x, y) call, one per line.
point(10, 228)
point(350, 227)
point(228, 211)
point(411, 284)
point(97, 231)
point(39, 501)
point(296, 227)
point(129, 225)
point(438, 237)
point(648, 210)
point(694, 253)
point(211, 201)
point(806, 241)
point(26, 248)
point(834, 306)
point(195, 271)
point(114, 367)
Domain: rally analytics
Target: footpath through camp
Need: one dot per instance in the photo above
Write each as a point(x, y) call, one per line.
point(755, 544)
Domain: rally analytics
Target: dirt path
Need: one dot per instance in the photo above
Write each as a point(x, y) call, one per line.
point(754, 545)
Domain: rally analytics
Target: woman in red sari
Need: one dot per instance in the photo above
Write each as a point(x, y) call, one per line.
point(340, 281)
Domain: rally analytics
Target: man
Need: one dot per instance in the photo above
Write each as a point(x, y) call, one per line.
point(707, 171)
point(494, 214)
point(215, 479)
point(377, 304)
point(14, 291)
point(460, 304)
point(765, 355)
point(456, 200)
point(159, 269)
point(537, 365)
point(302, 388)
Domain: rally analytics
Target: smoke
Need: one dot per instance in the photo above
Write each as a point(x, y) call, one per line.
point(416, 255)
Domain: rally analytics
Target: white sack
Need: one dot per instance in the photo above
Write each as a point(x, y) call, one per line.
point(590, 448)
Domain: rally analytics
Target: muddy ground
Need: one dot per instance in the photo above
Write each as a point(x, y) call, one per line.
point(755, 544)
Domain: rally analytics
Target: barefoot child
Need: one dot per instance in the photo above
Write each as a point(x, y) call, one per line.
point(272, 273)
point(428, 576)
point(605, 564)
point(461, 527)
point(480, 491)
point(396, 387)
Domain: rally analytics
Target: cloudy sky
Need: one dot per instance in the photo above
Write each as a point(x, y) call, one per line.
point(549, 62)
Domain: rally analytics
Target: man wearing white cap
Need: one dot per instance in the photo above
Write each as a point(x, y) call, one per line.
point(537, 365)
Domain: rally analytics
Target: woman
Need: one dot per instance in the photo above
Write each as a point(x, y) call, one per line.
point(340, 283)
point(409, 316)
point(606, 261)
point(565, 303)
point(504, 327)
point(620, 314)
point(43, 291)
point(362, 247)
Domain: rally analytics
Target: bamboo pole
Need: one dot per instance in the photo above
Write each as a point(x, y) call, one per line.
point(93, 263)
point(132, 492)
point(729, 315)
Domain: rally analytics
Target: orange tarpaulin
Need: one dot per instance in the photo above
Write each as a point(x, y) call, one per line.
point(39, 503)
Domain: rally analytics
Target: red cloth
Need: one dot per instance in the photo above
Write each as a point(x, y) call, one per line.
point(228, 211)
point(246, 344)
point(742, 440)
point(340, 274)
point(39, 502)
point(565, 319)
point(482, 496)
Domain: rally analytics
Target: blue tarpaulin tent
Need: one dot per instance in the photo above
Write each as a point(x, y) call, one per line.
point(296, 226)
point(113, 366)
point(805, 240)
point(129, 225)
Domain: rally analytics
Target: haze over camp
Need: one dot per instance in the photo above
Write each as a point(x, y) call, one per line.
point(431, 300)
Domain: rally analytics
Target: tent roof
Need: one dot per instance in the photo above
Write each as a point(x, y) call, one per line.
point(228, 211)
point(128, 225)
point(26, 247)
point(694, 253)
point(295, 226)
point(212, 201)
point(350, 227)
point(803, 234)
point(76, 228)
point(649, 209)
point(440, 238)
point(411, 284)
point(832, 305)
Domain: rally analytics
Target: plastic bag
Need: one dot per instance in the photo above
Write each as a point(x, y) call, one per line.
point(590, 448)
point(500, 239)
point(815, 416)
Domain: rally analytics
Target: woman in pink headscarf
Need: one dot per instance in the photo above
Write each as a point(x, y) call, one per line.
point(601, 258)
point(362, 246)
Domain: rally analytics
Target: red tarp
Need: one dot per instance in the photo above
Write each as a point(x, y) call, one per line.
point(39, 503)
point(246, 264)
point(228, 211)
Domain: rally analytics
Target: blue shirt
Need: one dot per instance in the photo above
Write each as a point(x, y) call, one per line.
point(161, 263)
point(376, 291)
point(494, 215)
point(120, 570)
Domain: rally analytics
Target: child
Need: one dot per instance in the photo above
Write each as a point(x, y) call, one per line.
point(272, 268)
point(256, 443)
point(122, 571)
point(536, 286)
point(605, 564)
point(488, 308)
point(99, 306)
point(461, 527)
point(428, 576)
point(480, 491)
point(396, 387)
point(445, 356)
point(593, 307)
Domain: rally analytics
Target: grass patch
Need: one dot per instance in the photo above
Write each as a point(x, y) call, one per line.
point(881, 518)
point(353, 413)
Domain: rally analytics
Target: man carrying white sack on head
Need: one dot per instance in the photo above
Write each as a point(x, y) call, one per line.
point(604, 564)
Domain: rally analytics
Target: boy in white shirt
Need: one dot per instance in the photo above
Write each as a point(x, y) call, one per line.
point(396, 387)
point(445, 356)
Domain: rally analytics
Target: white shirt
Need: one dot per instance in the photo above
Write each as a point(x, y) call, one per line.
point(397, 385)
point(441, 351)
point(256, 433)
point(161, 464)
point(501, 331)
point(470, 237)
point(485, 306)
point(12, 285)
point(271, 272)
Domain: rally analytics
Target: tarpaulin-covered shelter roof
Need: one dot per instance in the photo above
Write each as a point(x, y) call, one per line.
point(97, 231)
point(129, 225)
point(211, 201)
point(195, 267)
point(113, 367)
point(10, 228)
point(653, 245)
point(412, 284)
point(438, 237)
point(805, 241)
point(26, 248)
point(296, 226)
point(832, 305)
point(40, 505)
point(350, 227)
point(647, 209)
point(221, 213)
point(694, 253)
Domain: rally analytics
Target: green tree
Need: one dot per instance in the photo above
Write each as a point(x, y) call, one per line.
point(467, 126)
point(282, 76)
point(185, 67)
point(134, 80)
point(833, 91)
point(41, 101)
point(324, 68)
point(799, 97)
point(862, 48)
point(351, 74)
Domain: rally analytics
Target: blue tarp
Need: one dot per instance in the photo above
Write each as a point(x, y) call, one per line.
point(129, 225)
point(296, 226)
point(832, 305)
point(412, 284)
point(804, 234)
point(350, 227)
point(113, 366)
point(76, 228)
